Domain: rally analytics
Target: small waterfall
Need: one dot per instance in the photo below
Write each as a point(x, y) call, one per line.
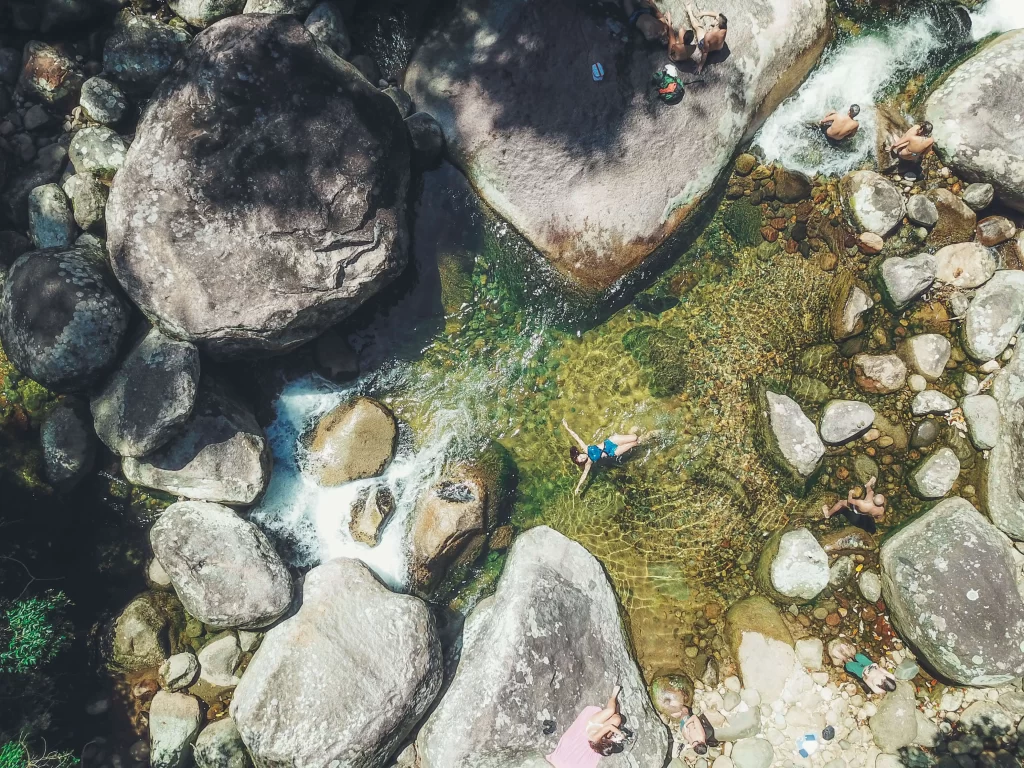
point(997, 16)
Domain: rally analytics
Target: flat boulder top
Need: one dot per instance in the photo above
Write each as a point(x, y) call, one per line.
point(596, 175)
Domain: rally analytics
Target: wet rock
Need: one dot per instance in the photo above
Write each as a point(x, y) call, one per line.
point(218, 661)
point(326, 169)
point(745, 163)
point(179, 671)
point(672, 695)
point(870, 585)
point(965, 265)
point(141, 51)
point(894, 725)
point(401, 99)
point(965, 622)
point(791, 186)
point(872, 203)
point(864, 468)
point(370, 512)
point(981, 412)
point(174, 723)
point(808, 391)
point(870, 243)
point(1003, 489)
point(296, 7)
point(224, 569)
point(762, 646)
point(843, 420)
point(35, 117)
point(555, 195)
point(931, 401)
point(789, 437)
point(840, 572)
point(979, 196)
point(922, 211)
point(848, 301)
point(140, 638)
point(220, 746)
point(969, 109)
point(62, 318)
point(335, 358)
point(752, 753)
point(956, 220)
point(148, 397)
point(994, 315)
point(935, 476)
point(88, 200)
point(44, 169)
point(48, 75)
point(98, 151)
point(879, 374)
point(69, 447)
point(50, 221)
point(354, 441)
point(903, 280)
point(103, 101)
point(326, 24)
point(927, 353)
point(995, 230)
point(219, 454)
point(12, 245)
point(366, 660)
point(427, 139)
point(554, 616)
point(793, 567)
point(203, 13)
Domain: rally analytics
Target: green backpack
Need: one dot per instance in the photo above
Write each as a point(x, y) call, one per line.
point(669, 87)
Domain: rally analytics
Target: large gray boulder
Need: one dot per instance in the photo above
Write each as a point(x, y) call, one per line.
point(62, 317)
point(789, 437)
point(948, 579)
point(994, 315)
point(263, 198)
point(220, 746)
point(593, 174)
point(148, 397)
point(344, 680)
point(547, 644)
point(1003, 487)
point(224, 569)
point(220, 454)
point(976, 112)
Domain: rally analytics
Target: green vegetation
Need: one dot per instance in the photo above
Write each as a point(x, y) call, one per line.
point(661, 353)
point(742, 221)
point(36, 631)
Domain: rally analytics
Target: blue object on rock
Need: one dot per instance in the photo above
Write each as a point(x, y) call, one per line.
point(598, 70)
point(807, 745)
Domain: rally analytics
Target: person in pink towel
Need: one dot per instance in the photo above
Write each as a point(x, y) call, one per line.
point(594, 734)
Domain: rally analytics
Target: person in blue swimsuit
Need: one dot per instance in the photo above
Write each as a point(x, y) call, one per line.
point(587, 455)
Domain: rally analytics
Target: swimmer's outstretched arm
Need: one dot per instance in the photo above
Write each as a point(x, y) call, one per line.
point(583, 478)
point(577, 438)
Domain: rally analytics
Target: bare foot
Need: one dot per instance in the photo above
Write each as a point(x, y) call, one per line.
point(824, 508)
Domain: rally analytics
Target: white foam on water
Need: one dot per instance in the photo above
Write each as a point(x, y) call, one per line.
point(997, 16)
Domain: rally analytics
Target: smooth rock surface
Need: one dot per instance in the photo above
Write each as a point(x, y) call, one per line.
point(174, 722)
point(872, 202)
point(794, 566)
point(224, 569)
point(995, 230)
point(218, 661)
point(922, 211)
point(879, 374)
point(965, 265)
point(792, 438)
point(843, 420)
point(894, 725)
point(598, 187)
point(354, 441)
point(927, 353)
point(970, 111)
point(906, 279)
point(948, 581)
point(870, 585)
point(148, 397)
point(367, 661)
point(936, 475)
point(554, 617)
point(179, 671)
point(51, 224)
point(762, 646)
point(981, 412)
point(326, 24)
point(752, 753)
point(979, 195)
point(931, 401)
point(312, 223)
point(994, 315)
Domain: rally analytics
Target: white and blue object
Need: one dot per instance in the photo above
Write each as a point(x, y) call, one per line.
point(807, 745)
point(598, 71)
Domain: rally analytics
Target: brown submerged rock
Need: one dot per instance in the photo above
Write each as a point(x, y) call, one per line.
point(356, 440)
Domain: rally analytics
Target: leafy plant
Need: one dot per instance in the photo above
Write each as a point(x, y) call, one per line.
point(36, 632)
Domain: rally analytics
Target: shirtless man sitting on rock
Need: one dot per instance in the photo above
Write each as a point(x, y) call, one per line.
point(709, 38)
point(914, 144)
point(841, 127)
point(654, 25)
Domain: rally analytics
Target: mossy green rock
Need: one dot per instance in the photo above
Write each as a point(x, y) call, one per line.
point(742, 220)
point(662, 354)
point(672, 694)
point(808, 391)
point(820, 360)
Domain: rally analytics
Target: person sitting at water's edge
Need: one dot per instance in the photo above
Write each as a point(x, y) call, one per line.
point(697, 732)
point(709, 38)
point(875, 678)
point(587, 455)
point(863, 513)
point(839, 127)
point(914, 144)
point(595, 733)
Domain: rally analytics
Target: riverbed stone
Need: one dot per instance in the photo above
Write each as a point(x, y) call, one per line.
point(956, 221)
point(872, 202)
point(88, 199)
point(894, 724)
point(809, 652)
point(905, 279)
point(179, 671)
point(219, 454)
point(62, 318)
point(103, 101)
point(370, 512)
point(879, 374)
point(927, 354)
point(790, 438)
point(49, 75)
point(224, 569)
point(326, 171)
point(141, 51)
point(140, 635)
point(354, 441)
point(969, 111)
point(981, 412)
point(599, 187)
point(979, 195)
point(553, 617)
point(220, 746)
point(935, 476)
point(995, 230)
point(203, 13)
point(762, 645)
point(174, 723)
point(948, 582)
point(922, 211)
point(870, 585)
point(44, 169)
point(843, 420)
point(752, 753)
point(848, 302)
point(51, 224)
point(326, 24)
point(793, 567)
point(1003, 488)
point(148, 397)
point(931, 401)
point(218, 661)
point(965, 265)
point(994, 315)
point(366, 660)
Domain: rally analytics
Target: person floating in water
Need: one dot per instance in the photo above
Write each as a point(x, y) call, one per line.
point(595, 733)
point(709, 38)
point(863, 513)
point(839, 127)
point(587, 455)
point(875, 678)
point(914, 144)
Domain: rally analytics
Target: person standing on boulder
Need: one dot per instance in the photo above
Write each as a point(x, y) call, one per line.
point(839, 127)
point(914, 144)
point(709, 38)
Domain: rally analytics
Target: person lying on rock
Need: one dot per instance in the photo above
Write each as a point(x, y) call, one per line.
point(839, 127)
point(648, 20)
point(875, 678)
point(863, 513)
point(587, 455)
point(709, 38)
point(697, 732)
point(914, 144)
point(595, 733)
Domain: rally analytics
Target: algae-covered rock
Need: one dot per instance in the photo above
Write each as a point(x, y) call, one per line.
point(662, 354)
point(672, 695)
point(808, 391)
point(742, 220)
point(788, 437)
point(848, 301)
